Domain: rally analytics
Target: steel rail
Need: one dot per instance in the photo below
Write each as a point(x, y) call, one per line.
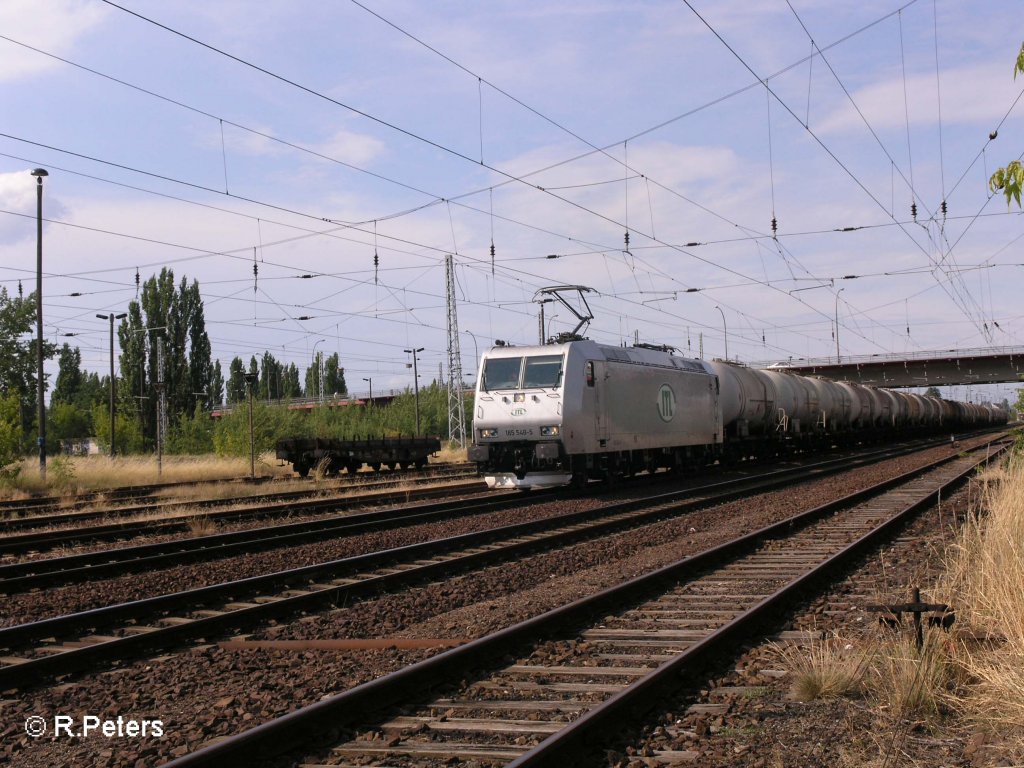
point(31, 574)
point(307, 725)
point(49, 539)
point(12, 570)
point(147, 490)
point(367, 481)
point(101, 564)
point(567, 528)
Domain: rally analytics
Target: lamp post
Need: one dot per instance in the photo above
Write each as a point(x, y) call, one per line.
point(250, 378)
point(416, 385)
point(476, 350)
point(370, 382)
point(725, 332)
point(39, 173)
point(550, 320)
point(838, 358)
point(112, 317)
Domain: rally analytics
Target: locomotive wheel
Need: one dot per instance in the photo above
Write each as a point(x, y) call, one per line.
point(302, 470)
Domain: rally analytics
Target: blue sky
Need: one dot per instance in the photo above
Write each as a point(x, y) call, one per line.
point(415, 130)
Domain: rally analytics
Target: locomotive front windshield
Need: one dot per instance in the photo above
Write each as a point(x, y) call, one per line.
point(502, 372)
point(538, 372)
point(542, 371)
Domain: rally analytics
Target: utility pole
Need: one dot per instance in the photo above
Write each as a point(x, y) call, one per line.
point(416, 385)
point(161, 415)
point(112, 317)
point(456, 400)
point(39, 173)
point(250, 378)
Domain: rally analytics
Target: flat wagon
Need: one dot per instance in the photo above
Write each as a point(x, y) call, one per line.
point(305, 453)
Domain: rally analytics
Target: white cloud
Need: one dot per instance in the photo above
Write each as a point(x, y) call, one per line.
point(53, 26)
point(975, 94)
point(18, 197)
point(355, 148)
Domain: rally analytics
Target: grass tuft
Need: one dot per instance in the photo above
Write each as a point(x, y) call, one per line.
point(828, 668)
point(201, 526)
point(985, 583)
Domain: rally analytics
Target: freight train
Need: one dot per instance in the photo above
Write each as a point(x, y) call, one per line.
point(567, 412)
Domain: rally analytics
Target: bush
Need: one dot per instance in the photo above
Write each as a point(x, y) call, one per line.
point(272, 423)
point(10, 437)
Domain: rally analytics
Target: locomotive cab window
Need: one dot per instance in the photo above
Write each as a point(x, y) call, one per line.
point(543, 371)
point(502, 373)
point(590, 373)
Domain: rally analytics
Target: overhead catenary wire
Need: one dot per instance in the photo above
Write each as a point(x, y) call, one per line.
point(816, 138)
point(684, 198)
point(647, 181)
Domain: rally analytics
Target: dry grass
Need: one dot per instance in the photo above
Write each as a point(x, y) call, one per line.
point(910, 684)
point(828, 668)
point(68, 475)
point(985, 582)
point(449, 454)
point(319, 472)
point(201, 526)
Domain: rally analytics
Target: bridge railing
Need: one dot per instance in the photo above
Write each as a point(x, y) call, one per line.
point(883, 357)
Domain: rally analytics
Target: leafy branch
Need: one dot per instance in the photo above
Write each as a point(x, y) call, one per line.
point(1010, 179)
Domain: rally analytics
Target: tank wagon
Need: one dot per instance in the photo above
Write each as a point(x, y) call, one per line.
point(304, 453)
point(551, 414)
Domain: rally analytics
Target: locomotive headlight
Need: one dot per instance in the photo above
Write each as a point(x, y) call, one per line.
point(490, 432)
point(549, 431)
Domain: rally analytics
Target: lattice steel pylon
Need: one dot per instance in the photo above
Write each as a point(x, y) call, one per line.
point(456, 401)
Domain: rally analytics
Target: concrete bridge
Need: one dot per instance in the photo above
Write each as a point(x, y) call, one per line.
point(990, 365)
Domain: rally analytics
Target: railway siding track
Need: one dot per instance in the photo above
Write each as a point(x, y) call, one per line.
point(49, 539)
point(377, 483)
point(594, 663)
point(17, 577)
point(84, 640)
point(36, 573)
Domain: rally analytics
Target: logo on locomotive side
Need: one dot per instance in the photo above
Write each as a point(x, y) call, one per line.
point(666, 403)
point(518, 412)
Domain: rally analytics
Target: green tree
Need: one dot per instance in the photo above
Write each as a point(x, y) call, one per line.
point(216, 386)
point(313, 378)
point(334, 376)
point(271, 374)
point(236, 381)
point(174, 314)
point(1010, 179)
point(127, 427)
point(18, 356)
point(10, 435)
point(134, 385)
point(193, 434)
point(291, 386)
point(69, 376)
point(66, 421)
point(932, 392)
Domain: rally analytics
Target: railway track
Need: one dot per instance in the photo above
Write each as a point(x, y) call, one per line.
point(42, 540)
point(153, 503)
point(38, 573)
point(583, 670)
point(83, 641)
